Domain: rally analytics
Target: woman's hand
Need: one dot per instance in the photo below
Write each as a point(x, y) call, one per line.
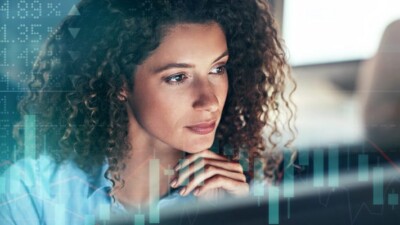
point(210, 172)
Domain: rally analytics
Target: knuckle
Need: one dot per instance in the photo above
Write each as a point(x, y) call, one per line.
point(238, 167)
point(219, 178)
point(191, 158)
point(209, 169)
point(192, 168)
point(243, 178)
point(203, 162)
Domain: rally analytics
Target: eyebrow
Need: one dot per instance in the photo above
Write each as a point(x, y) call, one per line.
point(184, 65)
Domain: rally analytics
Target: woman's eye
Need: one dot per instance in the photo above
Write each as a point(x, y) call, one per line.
point(218, 70)
point(175, 79)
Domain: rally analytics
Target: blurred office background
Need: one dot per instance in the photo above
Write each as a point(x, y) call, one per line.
point(329, 43)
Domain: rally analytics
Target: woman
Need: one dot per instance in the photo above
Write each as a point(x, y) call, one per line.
point(139, 96)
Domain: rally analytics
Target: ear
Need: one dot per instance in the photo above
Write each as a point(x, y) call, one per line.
point(123, 93)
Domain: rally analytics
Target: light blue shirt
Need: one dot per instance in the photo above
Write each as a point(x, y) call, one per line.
point(40, 191)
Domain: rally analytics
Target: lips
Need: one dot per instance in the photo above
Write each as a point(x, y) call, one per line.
point(203, 127)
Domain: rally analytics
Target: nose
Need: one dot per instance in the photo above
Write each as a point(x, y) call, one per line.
point(205, 99)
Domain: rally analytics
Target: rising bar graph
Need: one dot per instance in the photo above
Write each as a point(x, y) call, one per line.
point(333, 167)
point(154, 190)
point(377, 179)
point(363, 167)
point(318, 168)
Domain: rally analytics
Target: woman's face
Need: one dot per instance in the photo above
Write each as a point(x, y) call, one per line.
point(180, 89)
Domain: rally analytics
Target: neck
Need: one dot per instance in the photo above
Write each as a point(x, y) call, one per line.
point(148, 169)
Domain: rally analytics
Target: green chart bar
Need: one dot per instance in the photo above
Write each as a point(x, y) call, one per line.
point(139, 219)
point(90, 220)
point(215, 146)
point(333, 167)
point(393, 199)
point(288, 185)
point(59, 214)
point(363, 167)
point(228, 151)
point(15, 185)
point(2, 185)
point(30, 136)
point(318, 168)
point(104, 212)
point(154, 190)
point(244, 159)
point(303, 157)
point(273, 205)
point(377, 179)
point(182, 171)
point(199, 172)
point(259, 187)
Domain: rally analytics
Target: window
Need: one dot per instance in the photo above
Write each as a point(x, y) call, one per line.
point(335, 30)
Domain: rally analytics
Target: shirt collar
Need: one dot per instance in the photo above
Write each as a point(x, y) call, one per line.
point(98, 183)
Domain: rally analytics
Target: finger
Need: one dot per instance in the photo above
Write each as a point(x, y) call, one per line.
point(233, 187)
point(186, 172)
point(204, 163)
point(211, 171)
point(203, 154)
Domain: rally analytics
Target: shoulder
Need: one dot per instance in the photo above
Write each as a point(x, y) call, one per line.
point(33, 187)
point(27, 174)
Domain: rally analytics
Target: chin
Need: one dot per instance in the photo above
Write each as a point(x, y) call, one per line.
point(194, 143)
point(198, 146)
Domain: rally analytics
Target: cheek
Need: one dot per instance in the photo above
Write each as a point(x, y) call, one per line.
point(161, 113)
point(222, 91)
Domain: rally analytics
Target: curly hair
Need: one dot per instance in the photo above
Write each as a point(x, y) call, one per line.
point(76, 80)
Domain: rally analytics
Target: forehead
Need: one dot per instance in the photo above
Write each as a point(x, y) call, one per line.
point(187, 41)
